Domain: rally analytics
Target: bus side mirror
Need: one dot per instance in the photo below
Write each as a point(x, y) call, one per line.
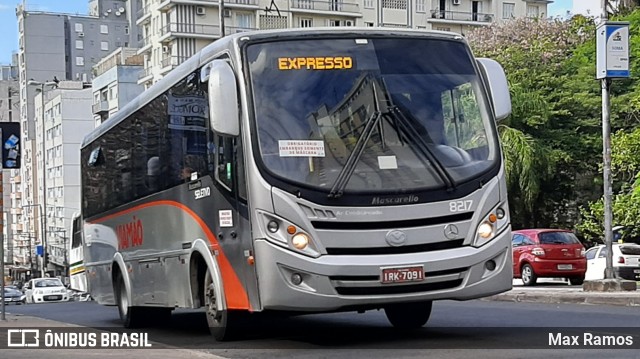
point(498, 87)
point(223, 99)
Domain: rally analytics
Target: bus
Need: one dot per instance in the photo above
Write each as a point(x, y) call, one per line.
point(77, 274)
point(303, 171)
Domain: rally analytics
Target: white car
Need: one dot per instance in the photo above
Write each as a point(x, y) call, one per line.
point(43, 290)
point(626, 261)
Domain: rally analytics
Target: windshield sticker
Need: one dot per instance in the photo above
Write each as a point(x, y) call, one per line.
point(387, 162)
point(315, 63)
point(292, 148)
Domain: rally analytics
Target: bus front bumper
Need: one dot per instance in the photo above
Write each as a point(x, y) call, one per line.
point(293, 282)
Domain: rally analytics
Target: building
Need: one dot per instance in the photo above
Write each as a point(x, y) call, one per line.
point(174, 30)
point(58, 47)
point(115, 83)
point(67, 119)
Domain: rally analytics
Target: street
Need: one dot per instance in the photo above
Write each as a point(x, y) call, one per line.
point(454, 328)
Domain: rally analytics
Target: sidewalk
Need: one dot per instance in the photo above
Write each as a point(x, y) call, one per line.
point(556, 292)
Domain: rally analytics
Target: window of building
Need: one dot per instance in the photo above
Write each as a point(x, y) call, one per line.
point(368, 24)
point(533, 11)
point(421, 6)
point(306, 22)
point(244, 21)
point(79, 61)
point(104, 29)
point(79, 44)
point(333, 22)
point(113, 93)
point(368, 4)
point(78, 27)
point(508, 10)
point(126, 29)
point(104, 45)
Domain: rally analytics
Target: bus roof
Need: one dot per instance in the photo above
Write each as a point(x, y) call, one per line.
point(230, 42)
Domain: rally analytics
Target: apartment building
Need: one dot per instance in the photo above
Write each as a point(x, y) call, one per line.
point(67, 119)
point(57, 47)
point(174, 30)
point(116, 82)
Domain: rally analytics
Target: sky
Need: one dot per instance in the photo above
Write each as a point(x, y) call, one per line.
point(9, 24)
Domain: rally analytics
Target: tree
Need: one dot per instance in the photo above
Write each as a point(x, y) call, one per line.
point(543, 140)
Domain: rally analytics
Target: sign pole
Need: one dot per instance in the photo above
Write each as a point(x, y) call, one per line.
point(612, 45)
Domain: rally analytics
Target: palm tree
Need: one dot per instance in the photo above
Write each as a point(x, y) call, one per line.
point(527, 162)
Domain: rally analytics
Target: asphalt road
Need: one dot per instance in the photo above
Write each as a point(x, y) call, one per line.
point(455, 329)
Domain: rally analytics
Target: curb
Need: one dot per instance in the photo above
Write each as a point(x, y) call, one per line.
point(628, 299)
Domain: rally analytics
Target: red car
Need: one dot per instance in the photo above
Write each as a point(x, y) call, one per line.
point(548, 253)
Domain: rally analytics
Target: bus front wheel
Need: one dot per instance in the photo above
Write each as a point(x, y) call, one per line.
point(409, 315)
point(223, 324)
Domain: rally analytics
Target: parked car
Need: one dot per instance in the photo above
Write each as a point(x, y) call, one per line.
point(13, 295)
point(42, 290)
point(625, 259)
point(548, 253)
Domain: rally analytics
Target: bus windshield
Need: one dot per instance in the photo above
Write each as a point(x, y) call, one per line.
point(370, 114)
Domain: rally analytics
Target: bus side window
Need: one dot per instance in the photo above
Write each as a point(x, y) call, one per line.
point(225, 173)
point(224, 161)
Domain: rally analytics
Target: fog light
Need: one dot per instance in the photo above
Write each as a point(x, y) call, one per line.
point(485, 230)
point(296, 278)
point(500, 213)
point(272, 226)
point(300, 241)
point(490, 265)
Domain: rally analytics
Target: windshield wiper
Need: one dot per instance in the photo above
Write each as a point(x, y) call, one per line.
point(350, 166)
point(411, 134)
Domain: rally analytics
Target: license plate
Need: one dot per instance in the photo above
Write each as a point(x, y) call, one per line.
point(565, 266)
point(402, 275)
point(53, 297)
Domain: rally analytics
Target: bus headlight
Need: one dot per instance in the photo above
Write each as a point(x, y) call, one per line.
point(485, 230)
point(300, 241)
point(286, 234)
point(492, 224)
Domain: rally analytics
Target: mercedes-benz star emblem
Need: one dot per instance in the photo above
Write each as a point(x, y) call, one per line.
point(451, 231)
point(396, 238)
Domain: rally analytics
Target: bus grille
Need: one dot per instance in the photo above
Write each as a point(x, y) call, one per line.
point(417, 248)
point(370, 284)
point(398, 289)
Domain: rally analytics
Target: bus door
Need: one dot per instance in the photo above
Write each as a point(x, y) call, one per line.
point(232, 225)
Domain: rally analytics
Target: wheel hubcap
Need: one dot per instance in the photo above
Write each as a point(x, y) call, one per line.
point(124, 302)
point(210, 301)
point(526, 274)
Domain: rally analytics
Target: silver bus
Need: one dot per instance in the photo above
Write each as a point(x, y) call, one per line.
point(306, 171)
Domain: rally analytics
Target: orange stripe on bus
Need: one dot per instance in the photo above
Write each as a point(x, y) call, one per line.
point(235, 294)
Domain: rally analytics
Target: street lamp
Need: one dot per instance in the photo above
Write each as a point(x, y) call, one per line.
point(42, 86)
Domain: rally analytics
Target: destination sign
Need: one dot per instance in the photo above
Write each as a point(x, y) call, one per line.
point(315, 63)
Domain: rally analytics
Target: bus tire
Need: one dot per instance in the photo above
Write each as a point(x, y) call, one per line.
point(223, 324)
point(132, 317)
point(409, 315)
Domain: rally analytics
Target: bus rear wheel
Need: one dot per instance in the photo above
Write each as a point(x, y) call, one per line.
point(223, 324)
point(132, 317)
point(409, 315)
